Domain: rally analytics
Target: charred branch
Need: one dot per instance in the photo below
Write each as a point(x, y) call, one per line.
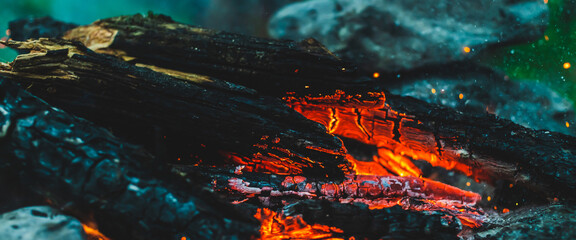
point(75, 165)
point(267, 65)
point(377, 192)
point(182, 114)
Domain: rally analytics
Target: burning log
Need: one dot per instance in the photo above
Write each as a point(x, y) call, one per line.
point(481, 146)
point(186, 114)
point(152, 84)
point(376, 192)
point(405, 129)
point(70, 163)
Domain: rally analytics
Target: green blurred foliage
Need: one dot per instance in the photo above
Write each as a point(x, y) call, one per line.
point(544, 60)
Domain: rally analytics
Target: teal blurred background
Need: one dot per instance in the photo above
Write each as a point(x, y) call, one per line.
point(87, 11)
point(550, 60)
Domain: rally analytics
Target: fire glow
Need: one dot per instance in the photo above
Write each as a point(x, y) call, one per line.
point(389, 179)
point(368, 120)
point(277, 226)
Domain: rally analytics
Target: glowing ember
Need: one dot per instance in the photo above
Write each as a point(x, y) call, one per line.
point(467, 49)
point(389, 179)
point(277, 226)
point(377, 192)
point(93, 233)
point(371, 122)
point(566, 65)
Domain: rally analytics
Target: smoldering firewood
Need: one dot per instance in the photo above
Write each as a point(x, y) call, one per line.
point(71, 162)
point(273, 191)
point(389, 223)
point(480, 145)
point(483, 146)
point(192, 113)
point(250, 61)
point(489, 148)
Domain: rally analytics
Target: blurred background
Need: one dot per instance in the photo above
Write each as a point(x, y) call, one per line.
point(548, 61)
point(551, 59)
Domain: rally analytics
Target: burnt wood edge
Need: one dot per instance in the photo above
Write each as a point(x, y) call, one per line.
point(71, 163)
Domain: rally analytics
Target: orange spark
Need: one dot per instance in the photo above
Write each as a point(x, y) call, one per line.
point(461, 96)
point(277, 226)
point(546, 37)
point(505, 210)
point(567, 124)
point(489, 198)
point(467, 49)
point(433, 91)
point(376, 75)
point(566, 65)
point(94, 233)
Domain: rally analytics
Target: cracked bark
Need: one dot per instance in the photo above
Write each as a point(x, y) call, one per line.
point(71, 163)
point(393, 222)
point(492, 148)
point(178, 116)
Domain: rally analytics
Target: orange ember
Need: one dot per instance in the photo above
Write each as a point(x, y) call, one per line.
point(395, 134)
point(277, 226)
point(93, 234)
point(389, 178)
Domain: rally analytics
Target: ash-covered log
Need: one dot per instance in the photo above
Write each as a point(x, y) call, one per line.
point(177, 115)
point(72, 164)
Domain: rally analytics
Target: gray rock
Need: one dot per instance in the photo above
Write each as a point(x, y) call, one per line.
point(397, 35)
point(528, 103)
point(39, 222)
point(246, 16)
point(544, 222)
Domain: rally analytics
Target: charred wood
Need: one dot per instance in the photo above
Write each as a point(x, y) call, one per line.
point(541, 160)
point(479, 145)
point(377, 192)
point(488, 148)
point(482, 146)
point(185, 114)
point(389, 223)
point(250, 61)
point(73, 164)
